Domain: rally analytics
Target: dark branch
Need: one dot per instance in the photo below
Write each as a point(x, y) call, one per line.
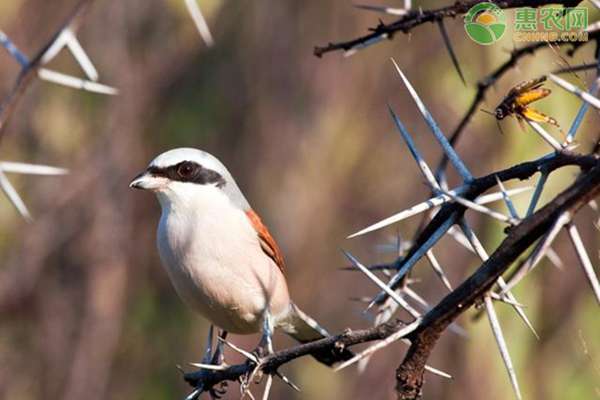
point(480, 185)
point(490, 80)
point(272, 362)
point(418, 17)
point(410, 373)
point(424, 338)
point(29, 71)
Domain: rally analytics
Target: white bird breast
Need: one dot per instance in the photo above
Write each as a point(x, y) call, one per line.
point(213, 257)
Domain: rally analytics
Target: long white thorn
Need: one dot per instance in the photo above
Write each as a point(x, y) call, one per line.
point(593, 27)
point(55, 48)
point(74, 82)
point(497, 330)
point(460, 238)
point(243, 352)
point(584, 259)
point(495, 196)
point(438, 134)
point(438, 372)
point(13, 50)
point(31, 169)
point(210, 366)
point(425, 170)
point(415, 296)
point(409, 262)
point(482, 253)
point(509, 204)
point(585, 96)
point(538, 252)
point(194, 395)
point(409, 212)
point(287, 381)
point(548, 138)
point(14, 197)
point(382, 9)
point(268, 385)
point(392, 293)
point(199, 21)
point(437, 268)
point(81, 56)
point(482, 209)
point(381, 344)
point(554, 258)
point(504, 299)
point(431, 203)
point(535, 198)
point(580, 115)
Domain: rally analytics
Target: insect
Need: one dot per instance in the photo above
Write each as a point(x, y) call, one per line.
point(518, 99)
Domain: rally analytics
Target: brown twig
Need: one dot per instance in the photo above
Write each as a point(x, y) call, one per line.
point(410, 373)
point(29, 71)
point(484, 84)
point(418, 17)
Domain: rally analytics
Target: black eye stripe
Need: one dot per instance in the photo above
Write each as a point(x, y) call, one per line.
point(195, 173)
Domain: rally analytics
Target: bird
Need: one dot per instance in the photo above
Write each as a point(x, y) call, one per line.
point(220, 257)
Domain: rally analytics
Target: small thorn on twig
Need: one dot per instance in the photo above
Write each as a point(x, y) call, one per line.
point(497, 330)
point(451, 52)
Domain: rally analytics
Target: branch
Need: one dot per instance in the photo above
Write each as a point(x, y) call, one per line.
point(415, 18)
point(409, 374)
point(484, 84)
point(271, 363)
point(424, 337)
point(479, 185)
point(29, 71)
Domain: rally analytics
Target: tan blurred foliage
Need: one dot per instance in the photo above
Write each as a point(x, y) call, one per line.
point(85, 308)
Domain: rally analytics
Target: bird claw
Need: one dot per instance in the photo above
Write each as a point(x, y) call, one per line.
point(210, 362)
point(197, 380)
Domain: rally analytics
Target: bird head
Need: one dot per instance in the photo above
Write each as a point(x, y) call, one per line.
point(186, 175)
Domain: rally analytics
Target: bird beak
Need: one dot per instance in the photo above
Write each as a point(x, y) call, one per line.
point(147, 181)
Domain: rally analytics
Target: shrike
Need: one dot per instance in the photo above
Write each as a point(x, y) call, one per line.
point(220, 257)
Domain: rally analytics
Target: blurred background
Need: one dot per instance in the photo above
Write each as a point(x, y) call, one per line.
point(86, 310)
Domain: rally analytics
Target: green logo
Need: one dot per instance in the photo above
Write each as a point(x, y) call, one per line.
point(485, 23)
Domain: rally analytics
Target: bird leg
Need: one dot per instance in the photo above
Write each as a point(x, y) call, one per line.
point(265, 346)
point(219, 356)
point(209, 346)
point(209, 359)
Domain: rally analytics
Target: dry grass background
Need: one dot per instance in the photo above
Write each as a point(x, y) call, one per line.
point(86, 310)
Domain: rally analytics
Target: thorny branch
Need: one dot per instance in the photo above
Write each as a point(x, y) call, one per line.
point(477, 186)
point(29, 71)
point(484, 84)
point(414, 18)
point(410, 373)
point(424, 337)
point(424, 332)
point(63, 37)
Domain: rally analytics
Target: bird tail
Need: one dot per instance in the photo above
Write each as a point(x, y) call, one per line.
point(305, 329)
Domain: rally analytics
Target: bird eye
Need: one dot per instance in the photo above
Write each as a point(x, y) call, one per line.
point(185, 169)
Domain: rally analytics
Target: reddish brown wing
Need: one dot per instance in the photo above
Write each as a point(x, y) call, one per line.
point(267, 242)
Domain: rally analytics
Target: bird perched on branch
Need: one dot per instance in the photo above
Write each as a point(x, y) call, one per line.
point(220, 257)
